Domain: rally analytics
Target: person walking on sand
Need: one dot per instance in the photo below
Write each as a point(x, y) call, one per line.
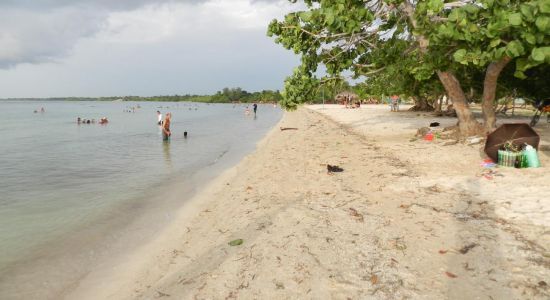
point(394, 103)
point(159, 116)
point(255, 107)
point(166, 133)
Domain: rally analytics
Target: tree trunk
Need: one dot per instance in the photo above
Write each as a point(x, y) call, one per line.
point(421, 104)
point(489, 91)
point(438, 103)
point(467, 123)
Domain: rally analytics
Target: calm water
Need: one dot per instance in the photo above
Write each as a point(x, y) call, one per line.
point(64, 187)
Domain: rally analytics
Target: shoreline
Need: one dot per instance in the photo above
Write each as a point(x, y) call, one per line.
point(54, 267)
point(396, 223)
point(104, 281)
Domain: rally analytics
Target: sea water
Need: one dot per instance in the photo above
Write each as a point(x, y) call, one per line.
point(71, 195)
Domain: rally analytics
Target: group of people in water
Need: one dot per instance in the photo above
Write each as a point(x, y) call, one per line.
point(131, 109)
point(163, 123)
point(101, 121)
point(42, 110)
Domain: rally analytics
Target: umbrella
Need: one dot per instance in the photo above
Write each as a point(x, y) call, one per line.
point(518, 134)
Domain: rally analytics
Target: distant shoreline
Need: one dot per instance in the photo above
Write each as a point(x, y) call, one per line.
point(143, 99)
point(227, 95)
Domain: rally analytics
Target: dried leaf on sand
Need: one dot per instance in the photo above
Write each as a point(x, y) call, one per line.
point(358, 216)
point(236, 242)
point(450, 275)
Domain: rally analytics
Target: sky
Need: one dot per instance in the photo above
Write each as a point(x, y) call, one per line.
point(93, 48)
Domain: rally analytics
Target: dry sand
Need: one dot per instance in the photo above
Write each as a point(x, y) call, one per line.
point(403, 220)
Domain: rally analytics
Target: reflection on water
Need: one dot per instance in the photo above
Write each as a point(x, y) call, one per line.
point(166, 150)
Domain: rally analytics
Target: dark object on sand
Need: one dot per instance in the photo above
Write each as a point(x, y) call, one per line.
point(334, 169)
point(236, 242)
point(517, 134)
point(434, 124)
point(185, 134)
point(288, 128)
point(467, 248)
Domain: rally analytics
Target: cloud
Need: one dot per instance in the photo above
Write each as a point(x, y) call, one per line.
point(138, 47)
point(211, 19)
point(46, 31)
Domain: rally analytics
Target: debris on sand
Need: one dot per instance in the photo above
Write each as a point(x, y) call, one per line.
point(450, 143)
point(236, 242)
point(423, 131)
point(334, 169)
point(467, 248)
point(450, 275)
point(374, 279)
point(358, 216)
point(474, 140)
point(161, 294)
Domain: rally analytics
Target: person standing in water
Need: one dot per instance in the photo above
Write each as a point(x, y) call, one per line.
point(159, 116)
point(255, 106)
point(166, 133)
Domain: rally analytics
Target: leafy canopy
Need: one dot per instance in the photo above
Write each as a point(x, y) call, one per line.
point(408, 41)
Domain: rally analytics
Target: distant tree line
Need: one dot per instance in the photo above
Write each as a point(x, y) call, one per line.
point(226, 95)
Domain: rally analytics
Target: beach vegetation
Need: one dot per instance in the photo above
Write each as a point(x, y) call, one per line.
point(226, 95)
point(421, 49)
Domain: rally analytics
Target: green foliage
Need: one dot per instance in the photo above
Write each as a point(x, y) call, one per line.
point(486, 30)
point(299, 88)
point(379, 41)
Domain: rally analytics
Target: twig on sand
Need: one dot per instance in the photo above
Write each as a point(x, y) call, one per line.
point(312, 255)
point(467, 248)
point(288, 128)
point(354, 213)
point(161, 294)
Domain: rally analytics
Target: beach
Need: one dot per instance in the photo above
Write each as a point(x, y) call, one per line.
point(405, 218)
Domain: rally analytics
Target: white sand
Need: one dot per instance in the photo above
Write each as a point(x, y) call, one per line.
point(390, 226)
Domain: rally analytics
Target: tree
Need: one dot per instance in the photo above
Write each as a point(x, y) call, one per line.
point(444, 37)
point(486, 35)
